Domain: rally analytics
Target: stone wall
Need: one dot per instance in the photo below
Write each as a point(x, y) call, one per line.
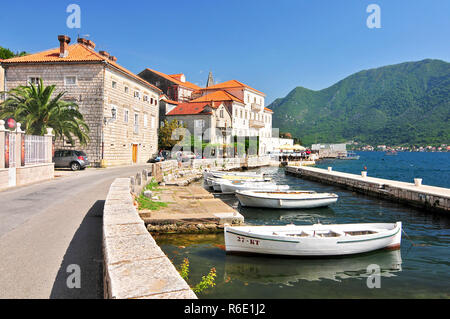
point(110, 139)
point(134, 265)
point(87, 93)
point(34, 173)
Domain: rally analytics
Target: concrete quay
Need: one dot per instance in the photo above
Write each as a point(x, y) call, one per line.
point(426, 197)
point(191, 209)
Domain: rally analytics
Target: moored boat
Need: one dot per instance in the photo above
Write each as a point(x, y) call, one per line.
point(233, 186)
point(348, 156)
point(313, 240)
point(218, 174)
point(288, 199)
point(215, 182)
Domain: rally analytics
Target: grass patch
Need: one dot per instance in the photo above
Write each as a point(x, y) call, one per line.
point(147, 203)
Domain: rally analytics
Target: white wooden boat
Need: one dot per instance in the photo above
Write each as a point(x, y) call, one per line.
point(233, 186)
point(215, 182)
point(210, 174)
point(288, 199)
point(313, 240)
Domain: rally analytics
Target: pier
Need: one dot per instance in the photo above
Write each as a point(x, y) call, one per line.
point(426, 197)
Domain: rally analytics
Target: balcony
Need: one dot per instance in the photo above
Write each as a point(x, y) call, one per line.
point(256, 124)
point(256, 107)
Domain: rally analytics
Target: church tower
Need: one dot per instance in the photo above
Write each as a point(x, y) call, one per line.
point(210, 80)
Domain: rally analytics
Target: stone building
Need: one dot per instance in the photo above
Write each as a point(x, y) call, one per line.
point(249, 116)
point(174, 86)
point(2, 80)
point(210, 119)
point(121, 109)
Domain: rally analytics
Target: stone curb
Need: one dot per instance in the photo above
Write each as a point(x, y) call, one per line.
point(134, 265)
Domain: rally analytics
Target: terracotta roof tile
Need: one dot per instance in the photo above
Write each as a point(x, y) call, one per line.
point(230, 85)
point(77, 53)
point(173, 78)
point(268, 110)
point(189, 108)
point(218, 96)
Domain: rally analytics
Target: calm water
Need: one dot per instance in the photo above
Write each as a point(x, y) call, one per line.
point(421, 270)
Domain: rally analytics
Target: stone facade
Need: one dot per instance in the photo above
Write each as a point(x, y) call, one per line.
point(2, 81)
point(116, 138)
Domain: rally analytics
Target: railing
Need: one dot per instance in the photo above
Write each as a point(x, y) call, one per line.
point(12, 150)
point(35, 149)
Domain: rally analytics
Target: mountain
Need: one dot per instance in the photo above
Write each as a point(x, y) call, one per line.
point(407, 103)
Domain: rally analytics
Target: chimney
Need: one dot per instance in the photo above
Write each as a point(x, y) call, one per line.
point(64, 41)
point(113, 58)
point(87, 43)
point(104, 53)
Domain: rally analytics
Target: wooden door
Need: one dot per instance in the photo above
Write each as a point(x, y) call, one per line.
point(135, 153)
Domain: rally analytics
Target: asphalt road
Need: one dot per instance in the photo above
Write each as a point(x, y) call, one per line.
point(47, 227)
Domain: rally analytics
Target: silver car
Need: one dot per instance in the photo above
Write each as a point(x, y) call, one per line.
point(75, 160)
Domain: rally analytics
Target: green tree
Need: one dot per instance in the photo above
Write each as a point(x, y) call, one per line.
point(37, 109)
point(165, 140)
point(8, 54)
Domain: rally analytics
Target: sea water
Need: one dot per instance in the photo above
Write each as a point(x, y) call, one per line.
point(420, 269)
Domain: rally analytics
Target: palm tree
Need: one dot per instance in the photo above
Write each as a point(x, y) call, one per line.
point(37, 110)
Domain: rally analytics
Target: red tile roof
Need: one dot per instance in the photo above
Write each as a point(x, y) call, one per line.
point(268, 110)
point(218, 96)
point(190, 108)
point(173, 78)
point(170, 101)
point(77, 53)
point(230, 85)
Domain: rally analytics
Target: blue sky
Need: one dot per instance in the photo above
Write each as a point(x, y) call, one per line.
point(272, 46)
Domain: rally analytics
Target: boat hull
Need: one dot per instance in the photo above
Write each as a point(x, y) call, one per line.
point(280, 203)
point(230, 188)
point(241, 240)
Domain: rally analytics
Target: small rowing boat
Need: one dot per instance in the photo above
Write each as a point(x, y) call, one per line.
point(313, 240)
point(210, 174)
point(285, 199)
point(215, 182)
point(233, 186)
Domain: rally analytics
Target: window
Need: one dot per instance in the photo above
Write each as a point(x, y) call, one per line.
point(70, 80)
point(137, 94)
point(221, 113)
point(199, 123)
point(125, 116)
point(113, 84)
point(145, 120)
point(136, 123)
point(153, 121)
point(33, 80)
point(145, 98)
point(126, 89)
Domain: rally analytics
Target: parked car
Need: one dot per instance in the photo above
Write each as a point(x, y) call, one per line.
point(156, 159)
point(75, 160)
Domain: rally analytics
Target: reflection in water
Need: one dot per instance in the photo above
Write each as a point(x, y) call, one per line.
point(270, 270)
